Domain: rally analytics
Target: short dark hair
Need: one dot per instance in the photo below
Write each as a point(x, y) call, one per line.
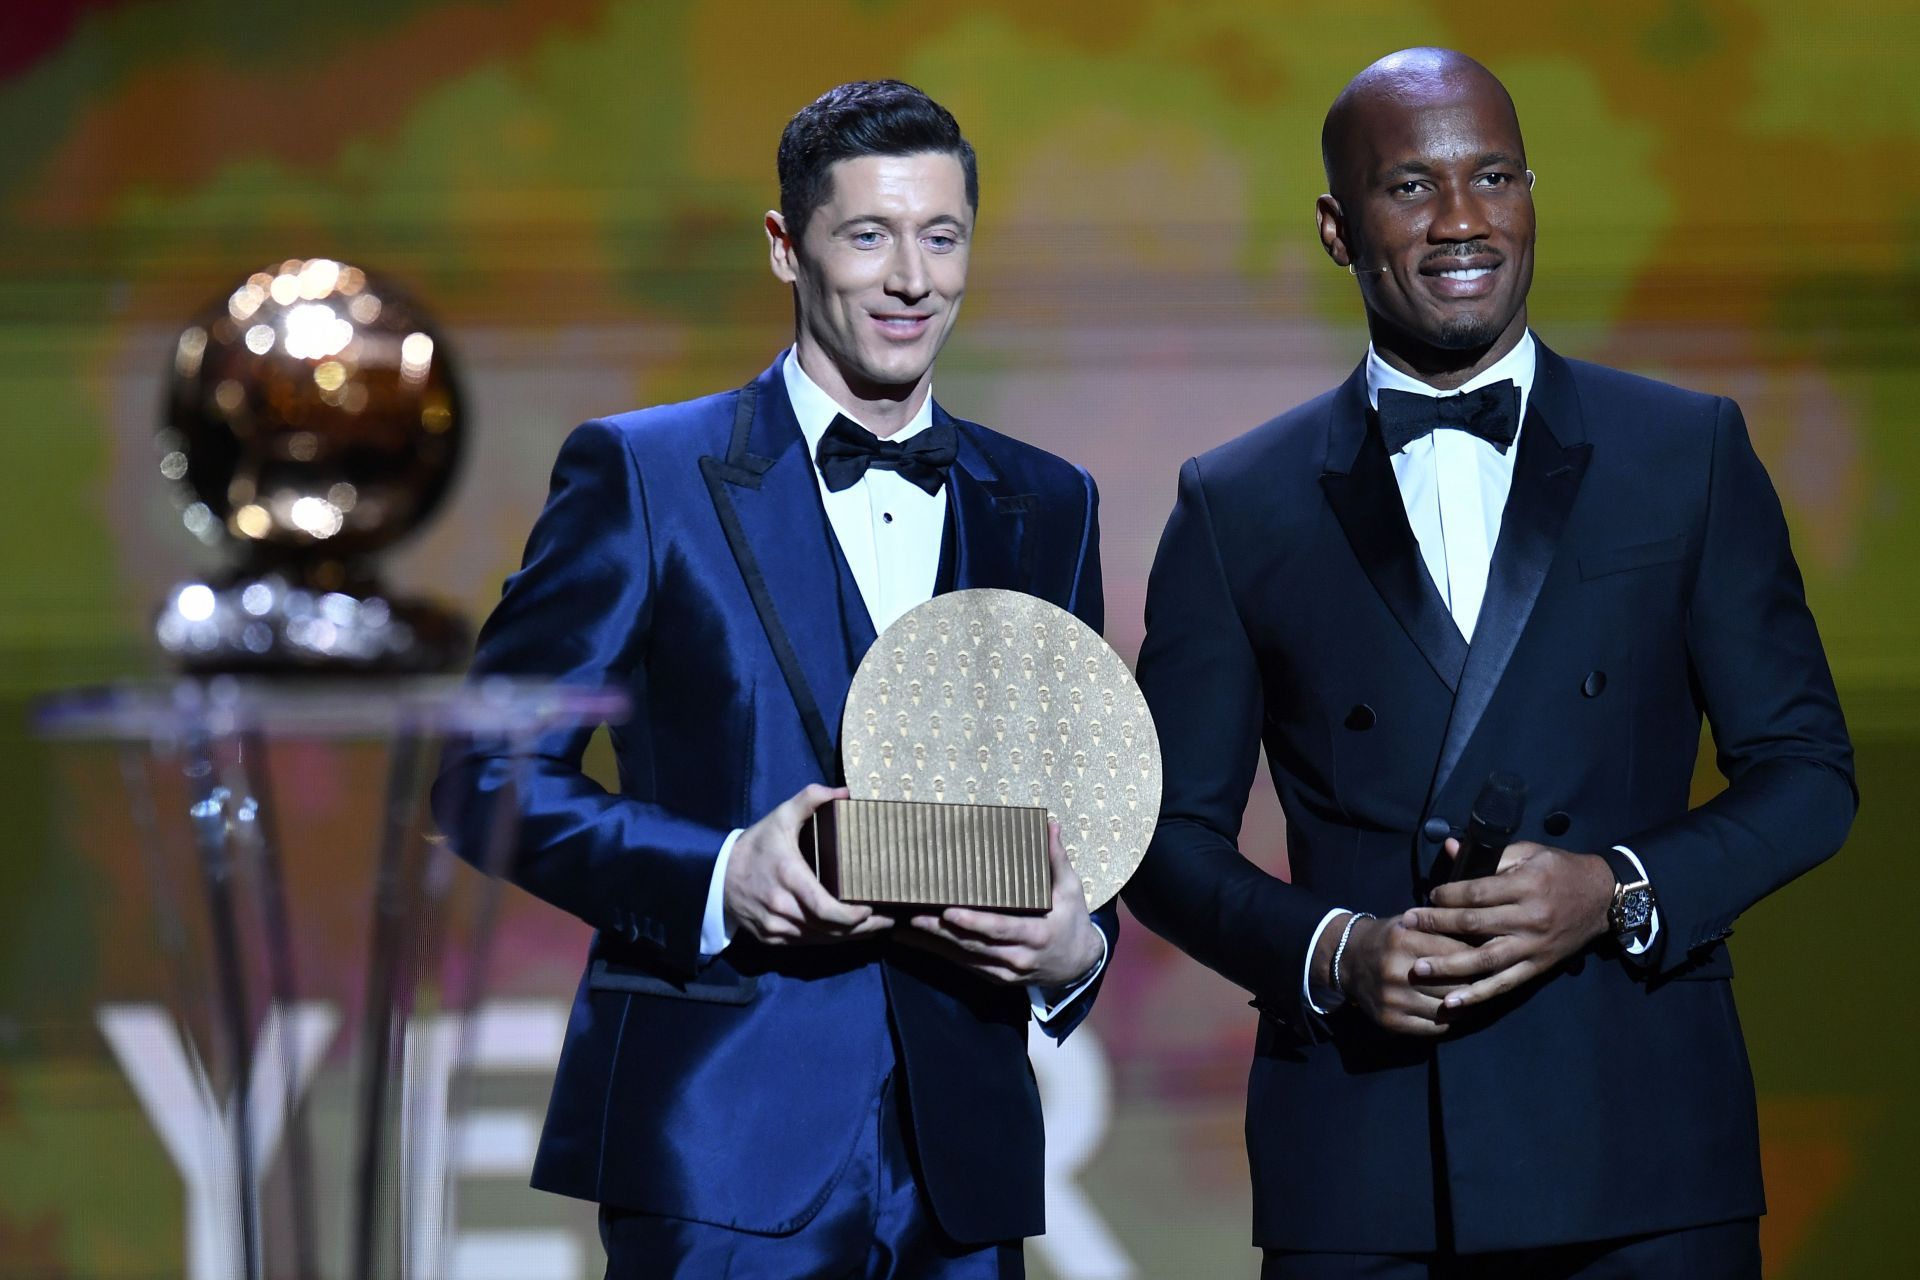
point(864, 118)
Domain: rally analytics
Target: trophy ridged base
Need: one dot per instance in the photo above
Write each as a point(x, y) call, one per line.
point(896, 853)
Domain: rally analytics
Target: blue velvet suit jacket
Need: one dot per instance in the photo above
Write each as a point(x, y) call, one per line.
point(1642, 579)
point(684, 556)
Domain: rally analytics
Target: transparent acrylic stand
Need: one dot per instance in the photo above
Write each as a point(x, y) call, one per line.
point(307, 923)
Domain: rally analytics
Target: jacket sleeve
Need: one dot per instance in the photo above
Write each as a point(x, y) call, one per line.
point(1202, 682)
point(579, 612)
point(1087, 602)
point(1762, 676)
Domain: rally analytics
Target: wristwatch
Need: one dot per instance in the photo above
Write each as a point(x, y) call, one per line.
point(1632, 903)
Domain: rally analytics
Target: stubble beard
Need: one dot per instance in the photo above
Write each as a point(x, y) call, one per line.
point(1463, 333)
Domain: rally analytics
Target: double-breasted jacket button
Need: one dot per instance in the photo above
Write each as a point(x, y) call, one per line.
point(1594, 684)
point(1361, 718)
point(1436, 829)
point(1557, 823)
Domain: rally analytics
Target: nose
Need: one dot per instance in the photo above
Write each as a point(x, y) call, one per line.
point(1459, 217)
point(908, 280)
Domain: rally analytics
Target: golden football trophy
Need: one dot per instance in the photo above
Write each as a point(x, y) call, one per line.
point(312, 420)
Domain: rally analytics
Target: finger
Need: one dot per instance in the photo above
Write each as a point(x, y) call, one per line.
point(1057, 860)
point(1452, 849)
point(1518, 853)
point(775, 931)
point(1485, 891)
point(996, 926)
point(937, 927)
point(1467, 965)
point(1014, 957)
point(1470, 922)
point(821, 906)
point(1409, 1010)
point(987, 965)
point(798, 808)
point(1420, 943)
point(1496, 984)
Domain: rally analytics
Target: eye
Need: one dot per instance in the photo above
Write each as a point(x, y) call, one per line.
point(868, 239)
point(1496, 179)
point(1411, 187)
point(940, 242)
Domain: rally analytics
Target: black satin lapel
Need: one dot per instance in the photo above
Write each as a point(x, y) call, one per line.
point(1546, 480)
point(946, 577)
point(1366, 501)
point(769, 507)
point(991, 546)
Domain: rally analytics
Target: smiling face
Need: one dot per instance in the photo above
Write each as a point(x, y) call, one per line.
point(878, 273)
point(1433, 207)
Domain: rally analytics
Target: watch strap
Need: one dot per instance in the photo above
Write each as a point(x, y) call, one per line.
point(1632, 895)
point(1624, 871)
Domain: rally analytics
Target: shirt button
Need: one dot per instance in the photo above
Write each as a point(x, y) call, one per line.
point(886, 517)
point(1436, 829)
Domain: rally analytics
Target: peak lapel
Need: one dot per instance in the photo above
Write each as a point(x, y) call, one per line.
point(768, 502)
point(1554, 453)
point(1365, 497)
point(991, 545)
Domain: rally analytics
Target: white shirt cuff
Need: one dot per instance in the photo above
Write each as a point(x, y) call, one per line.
point(715, 932)
point(1639, 945)
point(1044, 1012)
point(1306, 972)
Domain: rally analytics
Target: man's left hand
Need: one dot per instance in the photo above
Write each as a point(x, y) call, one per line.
point(1051, 951)
point(1542, 905)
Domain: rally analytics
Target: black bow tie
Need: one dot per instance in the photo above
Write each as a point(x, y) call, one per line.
point(1492, 413)
point(848, 449)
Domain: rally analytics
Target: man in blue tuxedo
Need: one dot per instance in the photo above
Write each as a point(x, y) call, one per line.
point(1476, 556)
point(759, 1080)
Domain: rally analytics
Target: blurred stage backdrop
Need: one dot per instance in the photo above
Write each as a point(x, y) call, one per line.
point(574, 188)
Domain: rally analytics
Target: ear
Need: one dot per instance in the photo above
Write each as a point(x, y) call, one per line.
point(782, 254)
point(1530, 179)
point(1332, 222)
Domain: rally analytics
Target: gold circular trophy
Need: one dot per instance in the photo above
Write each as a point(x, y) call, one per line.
point(312, 420)
point(972, 719)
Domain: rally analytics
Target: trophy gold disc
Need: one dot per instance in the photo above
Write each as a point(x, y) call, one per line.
point(989, 697)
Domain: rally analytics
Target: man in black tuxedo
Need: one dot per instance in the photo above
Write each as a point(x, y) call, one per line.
point(1477, 556)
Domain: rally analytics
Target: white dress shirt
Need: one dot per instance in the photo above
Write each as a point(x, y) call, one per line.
point(890, 531)
point(1454, 486)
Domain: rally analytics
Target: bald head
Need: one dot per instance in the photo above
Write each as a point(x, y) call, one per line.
point(1430, 205)
point(1407, 83)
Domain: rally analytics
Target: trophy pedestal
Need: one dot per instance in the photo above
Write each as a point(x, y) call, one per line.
point(316, 955)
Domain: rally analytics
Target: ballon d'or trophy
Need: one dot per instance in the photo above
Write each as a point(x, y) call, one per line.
point(975, 717)
point(317, 969)
point(312, 421)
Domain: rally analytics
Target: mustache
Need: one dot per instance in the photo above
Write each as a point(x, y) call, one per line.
point(1471, 249)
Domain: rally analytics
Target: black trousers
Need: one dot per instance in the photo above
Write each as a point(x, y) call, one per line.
point(1723, 1251)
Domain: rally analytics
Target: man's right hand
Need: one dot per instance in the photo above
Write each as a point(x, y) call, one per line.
point(1376, 974)
point(772, 893)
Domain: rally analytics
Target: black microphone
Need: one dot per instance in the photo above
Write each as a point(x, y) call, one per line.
point(1496, 816)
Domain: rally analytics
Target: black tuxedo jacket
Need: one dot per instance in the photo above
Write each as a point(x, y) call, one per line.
point(1642, 579)
point(685, 557)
